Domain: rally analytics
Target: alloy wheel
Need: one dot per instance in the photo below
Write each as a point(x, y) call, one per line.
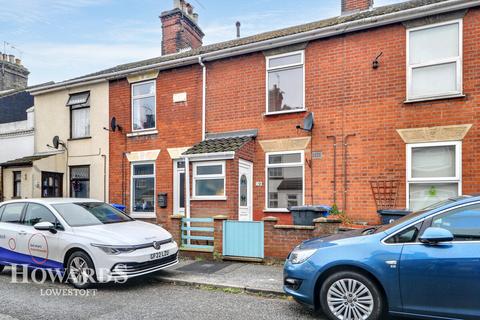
point(79, 271)
point(349, 299)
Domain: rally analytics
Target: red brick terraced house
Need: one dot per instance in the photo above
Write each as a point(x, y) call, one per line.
point(393, 92)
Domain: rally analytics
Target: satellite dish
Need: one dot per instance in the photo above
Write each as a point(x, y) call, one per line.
point(56, 142)
point(113, 124)
point(308, 122)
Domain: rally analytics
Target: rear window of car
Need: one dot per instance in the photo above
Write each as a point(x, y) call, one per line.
point(12, 213)
point(90, 213)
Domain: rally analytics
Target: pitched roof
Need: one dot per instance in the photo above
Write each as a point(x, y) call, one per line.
point(14, 105)
point(375, 12)
point(25, 161)
point(218, 145)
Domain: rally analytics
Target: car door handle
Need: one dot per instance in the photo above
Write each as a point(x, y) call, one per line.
point(22, 233)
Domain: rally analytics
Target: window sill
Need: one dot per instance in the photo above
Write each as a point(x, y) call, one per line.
point(452, 96)
point(82, 138)
point(143, 215)
point(276, 210)
point(142, 133)
point(208, 198)
point(284, 112)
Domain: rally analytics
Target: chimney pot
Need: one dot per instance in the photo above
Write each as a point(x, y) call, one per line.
point(18, 61)
point(11, 58)
point(352, 6)
point(238, 25)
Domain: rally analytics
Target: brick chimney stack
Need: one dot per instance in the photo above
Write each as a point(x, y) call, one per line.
point(13, 75)
point(351, 6)
point(180, 30)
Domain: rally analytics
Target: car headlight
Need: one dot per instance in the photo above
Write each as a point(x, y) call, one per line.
point(301, 255)
point(113, 250)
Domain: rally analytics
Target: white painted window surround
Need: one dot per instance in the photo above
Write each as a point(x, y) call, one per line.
point(434, 173)
point(209, 180)
point(434, 61)
point(284, 180)
point(285, 83)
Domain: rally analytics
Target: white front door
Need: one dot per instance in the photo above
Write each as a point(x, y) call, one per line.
point(245, 177)
point(179, 187)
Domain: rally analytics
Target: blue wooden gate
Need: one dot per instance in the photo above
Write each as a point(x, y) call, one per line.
point(197, 234)
point(243, 239)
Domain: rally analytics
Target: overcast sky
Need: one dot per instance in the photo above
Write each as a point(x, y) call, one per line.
point(62, 39)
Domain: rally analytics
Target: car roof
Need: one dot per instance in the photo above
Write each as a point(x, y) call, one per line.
point(51, 201)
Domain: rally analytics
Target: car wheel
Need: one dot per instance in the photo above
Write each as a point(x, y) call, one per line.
point(80, 270)
point(1, 268)
point(351, 296)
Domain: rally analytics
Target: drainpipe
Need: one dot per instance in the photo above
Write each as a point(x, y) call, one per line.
point(345, 169)
point(187, 193)
point(204, 96)
point(334, 138)
point(104, 177)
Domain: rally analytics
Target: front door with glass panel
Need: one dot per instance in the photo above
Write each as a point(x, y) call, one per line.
point(245, 177)
point(179, 187)
point(52, 185)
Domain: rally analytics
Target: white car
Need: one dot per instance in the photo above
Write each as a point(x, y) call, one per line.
point(88, 240)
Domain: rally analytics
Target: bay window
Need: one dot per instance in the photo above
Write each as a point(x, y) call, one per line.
point(143, 187)
point(434, 60)
point(285, 180)
point(209, 180)
point(143, 106)
point(433, 173)
point(285, 83)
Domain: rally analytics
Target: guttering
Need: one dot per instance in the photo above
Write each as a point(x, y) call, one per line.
point(211, 156)
point(204, 96)
point(357, 25)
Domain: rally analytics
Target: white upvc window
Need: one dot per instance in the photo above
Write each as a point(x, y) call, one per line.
point(434, 61)
point(285, 83)
point(144, 106)
point(143, 189)
point(209, 180)
point(285, 180)
point(434, 173)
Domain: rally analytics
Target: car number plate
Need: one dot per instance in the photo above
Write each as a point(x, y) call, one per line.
point(159, 255)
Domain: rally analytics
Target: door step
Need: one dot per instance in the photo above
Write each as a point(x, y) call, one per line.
point(243, 259)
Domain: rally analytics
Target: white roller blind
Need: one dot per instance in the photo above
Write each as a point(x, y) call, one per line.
point(435, 43)
point(433, 162)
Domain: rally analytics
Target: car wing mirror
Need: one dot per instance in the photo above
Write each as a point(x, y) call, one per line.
point(435, 236)
point(45, 226)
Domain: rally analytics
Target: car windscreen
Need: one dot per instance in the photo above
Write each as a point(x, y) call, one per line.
point(90, 213)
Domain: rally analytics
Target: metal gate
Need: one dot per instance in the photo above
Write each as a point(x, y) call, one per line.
point(243, 239)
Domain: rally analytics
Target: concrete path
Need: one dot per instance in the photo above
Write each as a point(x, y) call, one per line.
point(249, 277)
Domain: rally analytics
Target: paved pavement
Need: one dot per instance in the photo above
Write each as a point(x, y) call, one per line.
point(142, 298)
point(249, 277)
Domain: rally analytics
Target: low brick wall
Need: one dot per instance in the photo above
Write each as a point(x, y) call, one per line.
point(279, 239)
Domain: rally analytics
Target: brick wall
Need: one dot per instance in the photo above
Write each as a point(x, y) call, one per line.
point(178, 125)
point(279, 240)
point(355, 5)
point(347, 96)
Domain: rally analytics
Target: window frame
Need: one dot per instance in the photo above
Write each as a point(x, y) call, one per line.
point(133, 213)
point(283, 165)
point(458, 167)
point(196, 177)
point(154, 95)
point(15, 189)
point(74, 107)
point(284, 67)
point(458, 60)
point(70, 178)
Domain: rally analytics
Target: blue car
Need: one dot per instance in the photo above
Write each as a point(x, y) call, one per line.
point(425, 265)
